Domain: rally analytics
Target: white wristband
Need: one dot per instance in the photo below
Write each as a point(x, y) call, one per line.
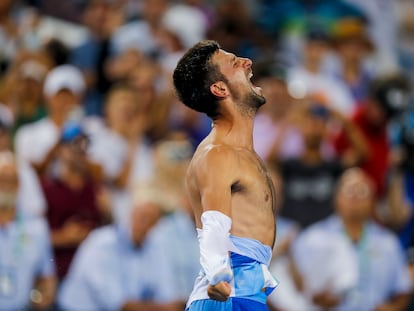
point(215, 245)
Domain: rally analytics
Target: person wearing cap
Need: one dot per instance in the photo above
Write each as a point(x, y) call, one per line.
point(124, 266)
point(27, 100)
point(353, 46)
point(27, 270)
point(63, 89)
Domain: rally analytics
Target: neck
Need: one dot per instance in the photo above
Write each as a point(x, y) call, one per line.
point(58, 119)
point(312, 156)
point(312, 67)
point(351, 71)
point(235, 128)
point(6, 217)
point(354, 229)
point(71, 178)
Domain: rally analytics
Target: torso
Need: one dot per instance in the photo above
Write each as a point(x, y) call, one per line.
point(252, 192)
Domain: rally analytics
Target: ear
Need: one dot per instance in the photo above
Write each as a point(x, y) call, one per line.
point(219, 89)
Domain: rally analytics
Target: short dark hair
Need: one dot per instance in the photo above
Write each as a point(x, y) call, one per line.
point(194, 75)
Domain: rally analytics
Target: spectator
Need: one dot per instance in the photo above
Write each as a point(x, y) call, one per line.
point(90, 56)
point(27, 272)
point(353, 45)
point(308, 78)
point(309, 179)
point(26, 99)
point(143, 33)
point(122, 148)
point(287, 296)
point(8, 35)
point(273, 133)
point(123, 267)
point(388, 97)
point(35, 143)
point(172, 156)
point(71, 196)
point(383, 280)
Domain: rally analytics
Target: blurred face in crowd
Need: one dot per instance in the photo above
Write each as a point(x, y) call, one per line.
point(5, 6)
point(8, 187)
point(30, 88)
point(352, 50)
point(30, 80)
point(375, 114)
point(4, 139)
point(95, 15)
point(142, 79)
point(74, 154)
point(61, 103)
point(121, 109)
point(354, 196)
point(277, 96)
point(315, 51)
point(314, 124)
point(144, 217)
point(153, 10)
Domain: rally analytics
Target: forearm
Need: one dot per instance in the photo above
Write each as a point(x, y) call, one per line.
point(357, 140)
point(41, 166)
point(43, 294)
point(397, 303)
point(121, 180)
point(399, 211)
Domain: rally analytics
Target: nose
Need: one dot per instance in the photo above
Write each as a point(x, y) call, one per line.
point(247, 62)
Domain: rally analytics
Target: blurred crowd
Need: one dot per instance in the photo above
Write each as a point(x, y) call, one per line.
point(94, 147)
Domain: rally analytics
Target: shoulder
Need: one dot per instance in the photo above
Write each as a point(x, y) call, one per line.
point(382, 236)
point(214, 158)
point(32, 128)
point(36, 227)
point(101, 239)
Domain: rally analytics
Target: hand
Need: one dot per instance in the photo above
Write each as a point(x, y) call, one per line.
point(220, 291)
point(75, 232)
point(326, 300)
point(385, 307)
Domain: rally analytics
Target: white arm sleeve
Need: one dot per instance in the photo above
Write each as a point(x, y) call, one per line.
point(215, 243)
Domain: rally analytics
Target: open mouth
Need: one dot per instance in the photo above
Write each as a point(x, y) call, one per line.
point(256, 89)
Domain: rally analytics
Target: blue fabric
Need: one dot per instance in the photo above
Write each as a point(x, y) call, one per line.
point(25, 254)
point(108, 270)
point(253, 249)
point(383, 267)
point(248, 278)
point(234, 304)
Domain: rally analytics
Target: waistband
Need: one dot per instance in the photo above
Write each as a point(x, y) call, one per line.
point(250, 248)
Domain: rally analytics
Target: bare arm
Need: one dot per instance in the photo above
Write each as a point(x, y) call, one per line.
point(359, 148)
point(398, 209)
point(397, 303)
point(214, 174)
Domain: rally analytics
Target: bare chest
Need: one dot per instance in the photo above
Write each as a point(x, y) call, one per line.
point(253, 182)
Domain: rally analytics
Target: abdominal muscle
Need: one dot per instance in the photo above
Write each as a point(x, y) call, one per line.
point(251, 222)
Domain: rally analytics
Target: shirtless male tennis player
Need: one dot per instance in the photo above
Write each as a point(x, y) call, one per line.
point(230, 191)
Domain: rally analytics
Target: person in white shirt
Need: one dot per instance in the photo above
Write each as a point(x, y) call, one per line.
point(63, 90)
